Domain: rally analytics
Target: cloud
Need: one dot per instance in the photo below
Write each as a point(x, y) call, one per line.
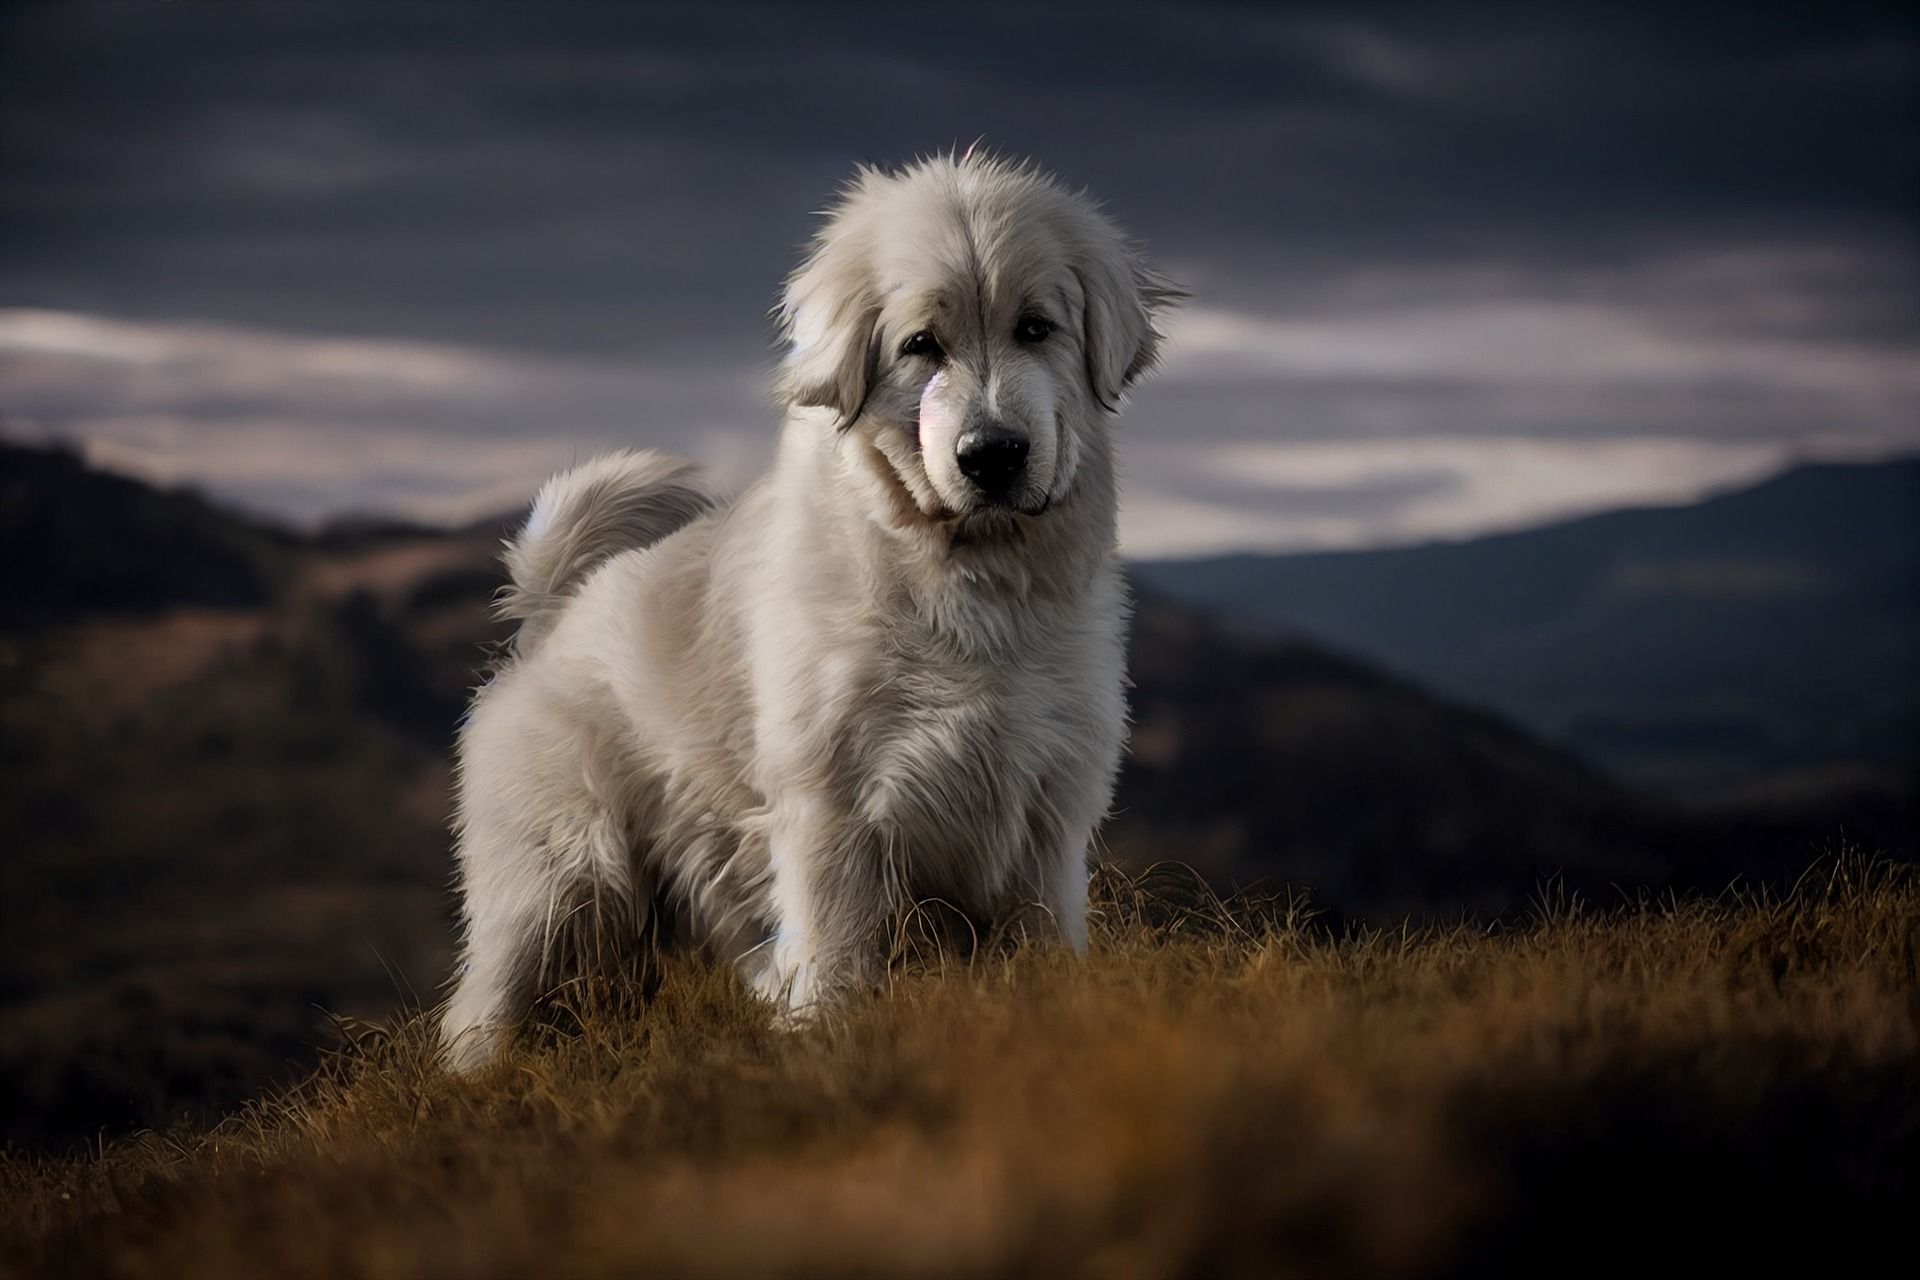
point(1327, 494)
point(1532, 342)
point(326, 257)
point(1777, 344)
point(308, 426)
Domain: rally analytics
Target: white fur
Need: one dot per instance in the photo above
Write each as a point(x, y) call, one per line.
point(762, 728)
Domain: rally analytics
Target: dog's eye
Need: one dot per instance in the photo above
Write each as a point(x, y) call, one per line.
point(923, 343)
point(1032, 330)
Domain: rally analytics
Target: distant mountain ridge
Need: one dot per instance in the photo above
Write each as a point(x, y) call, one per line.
point(1772, 629)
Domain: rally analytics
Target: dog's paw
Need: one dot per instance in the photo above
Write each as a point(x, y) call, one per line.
point(795, 988)
point(789, 989)
point(470, 1049)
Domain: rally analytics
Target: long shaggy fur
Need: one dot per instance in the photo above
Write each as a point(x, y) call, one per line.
point(622, 501)
point(877, 676)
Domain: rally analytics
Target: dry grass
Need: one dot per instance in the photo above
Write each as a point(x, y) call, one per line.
point(1217, 1090)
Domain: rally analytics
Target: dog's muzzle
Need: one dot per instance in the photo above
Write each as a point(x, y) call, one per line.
point(994, 461)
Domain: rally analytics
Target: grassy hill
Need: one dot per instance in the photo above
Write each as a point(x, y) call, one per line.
point(1763, 631)
point(1716, 1087)
point(224, 823)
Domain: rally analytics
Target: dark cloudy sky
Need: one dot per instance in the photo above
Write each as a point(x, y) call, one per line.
point(1454, 268)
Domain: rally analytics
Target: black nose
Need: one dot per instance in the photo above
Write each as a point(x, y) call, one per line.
point(992, 458)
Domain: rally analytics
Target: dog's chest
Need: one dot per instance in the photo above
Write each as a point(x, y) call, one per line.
point(964, 765)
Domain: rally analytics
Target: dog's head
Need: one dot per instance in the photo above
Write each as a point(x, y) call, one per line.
point(972, 323)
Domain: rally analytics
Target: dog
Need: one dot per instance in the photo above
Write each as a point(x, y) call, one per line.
point(893, 669)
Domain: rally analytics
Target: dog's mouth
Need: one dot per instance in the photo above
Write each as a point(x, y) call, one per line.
point(987, 516)
point(990, 526)
point(1030, 510)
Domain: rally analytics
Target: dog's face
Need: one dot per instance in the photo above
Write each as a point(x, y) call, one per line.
point(973, 325)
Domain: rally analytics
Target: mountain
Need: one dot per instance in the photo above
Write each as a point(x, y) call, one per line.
point(1768, 631)
point(123, 546)
point(226, 750)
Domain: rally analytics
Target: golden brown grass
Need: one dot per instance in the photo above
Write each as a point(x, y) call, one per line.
point(1216, 1090)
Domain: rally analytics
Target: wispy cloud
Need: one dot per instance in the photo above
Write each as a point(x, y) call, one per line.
point(1571, 345)
point(309, 427)
point(1326, 494)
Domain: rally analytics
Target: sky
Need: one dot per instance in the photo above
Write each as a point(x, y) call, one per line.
point(1454, 269)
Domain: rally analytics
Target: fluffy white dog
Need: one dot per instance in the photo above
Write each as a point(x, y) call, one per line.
point(892, 669)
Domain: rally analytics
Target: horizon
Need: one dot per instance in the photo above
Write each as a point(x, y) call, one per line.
point(347, 518)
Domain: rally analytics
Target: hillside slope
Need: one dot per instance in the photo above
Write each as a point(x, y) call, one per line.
point(76, 542)
point(1771, 629)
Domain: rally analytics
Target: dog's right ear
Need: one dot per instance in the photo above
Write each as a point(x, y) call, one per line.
point(829, 315)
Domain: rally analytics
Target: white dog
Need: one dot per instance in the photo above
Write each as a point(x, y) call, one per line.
point(893, 669)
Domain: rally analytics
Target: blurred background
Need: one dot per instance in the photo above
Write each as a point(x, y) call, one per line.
point(1532, 488)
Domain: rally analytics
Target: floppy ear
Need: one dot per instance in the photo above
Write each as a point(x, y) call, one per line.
point(829, 314)
point(1123, 298)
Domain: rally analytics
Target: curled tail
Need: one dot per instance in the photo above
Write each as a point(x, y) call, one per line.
point(617, 502)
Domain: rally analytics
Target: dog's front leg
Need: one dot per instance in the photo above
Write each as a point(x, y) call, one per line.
point(829, 894)
point(1067, 895)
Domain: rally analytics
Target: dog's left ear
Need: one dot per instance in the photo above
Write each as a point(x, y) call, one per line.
point(1124, 297)
point(829, 315)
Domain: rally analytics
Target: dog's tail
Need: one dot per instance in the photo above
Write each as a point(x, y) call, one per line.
point(617, 502)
